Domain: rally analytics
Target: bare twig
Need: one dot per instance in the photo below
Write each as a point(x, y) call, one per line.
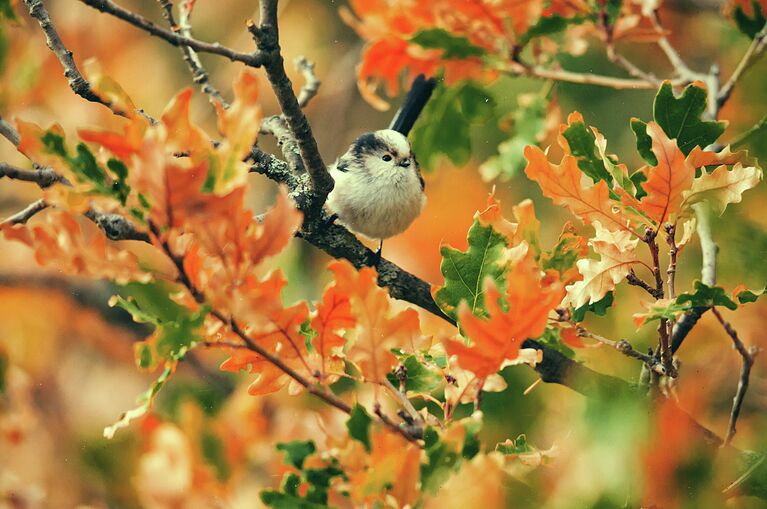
point(256, 59)
point(266, 36)
point(672, 252)
point(277, 126)
point(26, 213)
point(748, 355)
point(630, 67)
point(9, 132)
point(680, 67)
point(752, 53)
point(624, 347)
point(635, 280)
point(43, 177)
point(311, 81)
point(77, 82)
point(740, 139)
point(199, 74)
point(520, 68)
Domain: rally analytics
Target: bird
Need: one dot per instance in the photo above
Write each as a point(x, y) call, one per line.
point(379, 189)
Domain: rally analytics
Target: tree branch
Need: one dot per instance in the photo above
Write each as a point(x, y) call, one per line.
point(77, 82)
point(748, 355)
point(26, 213)
point(752, 53)
point(266, 36)
point(256, 59)
point(520, 68)
point(43, 177)
point(709, 250)
point(199, 74)
point(9, 132)
point(311, 81)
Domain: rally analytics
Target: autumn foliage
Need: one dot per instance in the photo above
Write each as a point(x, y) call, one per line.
point(274, 375)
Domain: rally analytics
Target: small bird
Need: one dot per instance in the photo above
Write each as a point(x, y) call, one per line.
point(379, 190)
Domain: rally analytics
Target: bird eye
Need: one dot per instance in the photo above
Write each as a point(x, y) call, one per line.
point(386, 157)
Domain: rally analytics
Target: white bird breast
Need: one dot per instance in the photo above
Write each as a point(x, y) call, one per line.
point(379, 203)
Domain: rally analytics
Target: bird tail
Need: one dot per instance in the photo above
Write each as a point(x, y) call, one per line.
point(411, 108)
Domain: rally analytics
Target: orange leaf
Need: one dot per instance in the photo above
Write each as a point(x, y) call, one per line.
point(668, 180)
point(333, 314)
point(76, 247)
point(531, 296)
point(377, 332)
point(564, 184)
point(391, 469)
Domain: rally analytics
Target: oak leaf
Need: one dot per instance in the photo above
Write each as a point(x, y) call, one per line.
point(666, 181)
point(76, 246)
point(377, 330)
point(616, 250)
point(722, 186)
point(530, 296)
point(564, 185)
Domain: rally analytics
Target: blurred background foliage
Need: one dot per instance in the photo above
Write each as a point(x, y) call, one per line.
point(66, 364)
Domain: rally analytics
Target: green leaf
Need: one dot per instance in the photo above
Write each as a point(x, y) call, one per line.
point(706, 296)
point(465, 272)
point(212, 449)
point(644, 142)
point(527, 129)
point(445, 127)
point(549, 25)
point(278, 500)
point(144, 400)
point(418, 377)
point(748, 296)
point(297, 451)
point(681, 117)
point(582, 144)
point(750, 25)
point(599, 307)
point(178, 326)
point(453, 46)
point(516, 446)
point(6, 10)
point(120, 187)
point(358, 425)
point(441, 461)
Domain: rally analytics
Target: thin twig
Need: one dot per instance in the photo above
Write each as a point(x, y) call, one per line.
point(635, 280)
point(752, 53)
point(406, 404)
point(277, 126)
point(199, 74)
point(8, 132)
point(624, 347)
point(680, 67)
point(77, 82)
point(520, 68)
point(630, 67)
point(256, 59)
point(43, 177)
point(266, 36)
point(740, 139)
point(26, 213)
point(672, 252)
point(311, 81)
point(748, 355)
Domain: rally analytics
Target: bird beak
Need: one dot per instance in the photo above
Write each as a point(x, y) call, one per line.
point(405, 163)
